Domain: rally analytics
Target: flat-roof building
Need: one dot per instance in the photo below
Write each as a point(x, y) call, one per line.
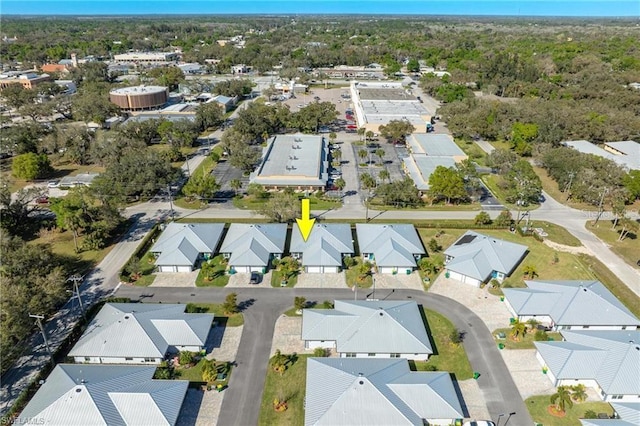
point(427, 152)
point(147, 57)
point(625, 153)
point(376, 104)
point(293, 161)
point(28, 80)
point(139, 98)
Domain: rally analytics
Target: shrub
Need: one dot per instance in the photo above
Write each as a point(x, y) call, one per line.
point(434, 245)
point(482, 218)
point(320, 352)
point(590, 414)
point(430, 367)
point(327, 304)
point(455, 336)
point(185, 357)
point(348, 261)
point(540, 336)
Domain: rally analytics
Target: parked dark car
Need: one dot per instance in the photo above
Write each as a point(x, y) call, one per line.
point(255, 278)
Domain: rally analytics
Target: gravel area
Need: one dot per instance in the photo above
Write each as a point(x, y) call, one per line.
point(175, 279)
point(306, 280)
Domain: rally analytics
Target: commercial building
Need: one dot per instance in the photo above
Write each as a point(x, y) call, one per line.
point(427, 152)
point(139, 98)
point(625, 153)
point(293, 161)
point(378, 103)
point(147, 57)
point(28, 80)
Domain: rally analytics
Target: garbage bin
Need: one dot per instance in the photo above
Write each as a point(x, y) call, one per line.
point(502, 298)
point(500, 346)
point(446, 274)
point(476, 375)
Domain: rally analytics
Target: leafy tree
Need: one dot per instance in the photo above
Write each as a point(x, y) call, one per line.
point(522, 135)
point(446, 183)
point(145, 131)
point(209, 115)
point(185, 358)
point(230, 305)
point(482, 218)
point(17, 96)
point(16, 217)
point(257, 191)
point(91, 103)
point(167, 76)
point(178, 134)
point(523, 184)
point(628, 226)
point(235, 184)
point(22, 137)
point(36, 111)
point(562, 398)
point(31, 166)
point(434, 246)
point(281, 207)
point(400, 193)
point(232, 88)
point(449, 92)
point(396, 130)
point(504, 218)
point(631, 182)
point(314, 115)
point(299, 303)
point(413, 65)
point(348, 261)
point(502, 160)
point(202, 186)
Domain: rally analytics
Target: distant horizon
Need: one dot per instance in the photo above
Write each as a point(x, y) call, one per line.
point(453, 8)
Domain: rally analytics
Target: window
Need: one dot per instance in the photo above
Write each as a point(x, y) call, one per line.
point(149, 360)
point(87, 358)
point(350, 355)
point(395, 355)
point(371, 354)
point(616, 396)
point(585, 326)
point(128, 359)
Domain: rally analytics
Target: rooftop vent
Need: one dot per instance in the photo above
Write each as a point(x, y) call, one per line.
point(361, 382)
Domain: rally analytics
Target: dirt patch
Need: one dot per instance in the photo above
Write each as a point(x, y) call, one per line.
point(567, 249)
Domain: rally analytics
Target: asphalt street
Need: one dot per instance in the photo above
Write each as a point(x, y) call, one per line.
point(262, 307)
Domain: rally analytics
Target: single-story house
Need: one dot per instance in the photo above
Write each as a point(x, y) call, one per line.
point(476, 258)
point(384, 392)
point(606, 360)
point(395, 248)
point(368, 329)
point(324, 249)
point(81, 395)
point(570, 305)
point(252, 247)
point(624, 413)
point(182, 245)
point(80, 179)
point(140, 333)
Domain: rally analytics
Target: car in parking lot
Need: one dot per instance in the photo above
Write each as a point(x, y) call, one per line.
point(255, 278)
point(53, 184)
point(42, 200)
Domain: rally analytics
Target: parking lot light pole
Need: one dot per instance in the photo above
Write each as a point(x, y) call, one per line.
point(510, 414)
point(498, 420)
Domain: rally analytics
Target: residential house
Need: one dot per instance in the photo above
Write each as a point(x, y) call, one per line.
point(394, 248)
point(476, 258)
point(372, 392)
point(81, 395)
point(140, 333)
point(252, 247)
point(570, 305)
point(625, 414)
point(606, 360)
point(324, 249)
point(368, 329)
point(182, 245)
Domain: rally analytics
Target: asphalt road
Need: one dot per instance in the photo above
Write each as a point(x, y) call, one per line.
point(262, 307)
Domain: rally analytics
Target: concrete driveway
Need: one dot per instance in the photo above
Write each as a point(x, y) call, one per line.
point(334, 280)
point(241, 280)
point(399, 281)
point(175, 279)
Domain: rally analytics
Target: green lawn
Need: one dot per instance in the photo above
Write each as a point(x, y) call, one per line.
point(194, 373)
point(628, 249)
point(219, 272)
point(315, 203)
point(558, 234)
point(289, 386)
point(376, 204)
point(448, 357)
point(277, 277)
point(351, 275)
point(475, 153)
point(493, 183)
point(525, 342)
point(292, 312)
point(538, 404)
point(206, 165)
point(220, 316)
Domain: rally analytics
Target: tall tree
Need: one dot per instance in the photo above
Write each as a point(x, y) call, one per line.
point(447, 183)
point(31, 166)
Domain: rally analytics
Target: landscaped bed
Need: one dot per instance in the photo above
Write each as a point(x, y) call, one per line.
point(522, 342)
point(213, 273)
point(538, 409)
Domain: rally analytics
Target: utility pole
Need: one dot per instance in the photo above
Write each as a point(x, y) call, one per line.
point(39, 319)
point(568, 187)
point(76, 290)
point(171, 202)
point(600, 209)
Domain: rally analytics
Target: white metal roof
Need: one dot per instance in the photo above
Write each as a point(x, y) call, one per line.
point(325, 246)
point(252, 244)
point(393, 245)
point(356, 391)
point(586, 303)
point(364, 326)
point(141, 330)
point(181, 243)
point(87, 395)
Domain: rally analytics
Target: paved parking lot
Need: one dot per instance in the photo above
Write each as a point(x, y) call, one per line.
point(224, 173)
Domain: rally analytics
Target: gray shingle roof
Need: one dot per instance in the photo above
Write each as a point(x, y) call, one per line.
point(325, 246)
point(612, 358)
point(180, 243)
point(352, 391)
point(83, 395)
point(477, 255)
point(251, 245)
point(571, 303)
point(369, 327)
point(141, 330)
point(392, 245)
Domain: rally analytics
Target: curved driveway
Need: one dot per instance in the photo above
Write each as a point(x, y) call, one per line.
point(241, 405)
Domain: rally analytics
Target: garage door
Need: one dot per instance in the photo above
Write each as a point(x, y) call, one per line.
point(242, 269)
point(166, 268)
point(184, 268)
point(314, 269)
point(256, 269)
point(387, 270)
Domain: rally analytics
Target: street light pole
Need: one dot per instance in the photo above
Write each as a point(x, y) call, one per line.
point(498, 420)
point(39, 319)
point(510, 414)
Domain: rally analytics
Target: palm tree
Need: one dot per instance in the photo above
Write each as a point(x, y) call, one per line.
point(530, 271)
point(518, 328)
point(368, 135)
point(367, 181)
point(380, 153)
point(332, 137)
point(235, 184)
point(361, 132)
point(533, 323)
point(562, 398)
point(363, 154)
point(340, 184)
point(579, 393)
point(337, 154)
point(384, 175)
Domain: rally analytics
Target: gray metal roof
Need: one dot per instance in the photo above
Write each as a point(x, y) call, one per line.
point(420, 168)
point(364, 326)
point(630, 159)
point(606, 422)
point(325, 246)
point(629, 411)
point(434, 144)
point(612, 358)
point(141, 330)
point(294, 160)
point(477, 255)
point(356, 391)
point(393, 245)
point(252, 244)
point(84, 395)
point(571, 303)
point(181, 243)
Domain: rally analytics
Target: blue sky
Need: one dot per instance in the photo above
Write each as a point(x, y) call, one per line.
point(415, 7)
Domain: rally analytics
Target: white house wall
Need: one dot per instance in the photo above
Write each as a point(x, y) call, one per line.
point(625, 398)
point(413, 357)
point(440, 422)
point(464, 278)
point(542, 319)
point(116, 360)
point(313, 344)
